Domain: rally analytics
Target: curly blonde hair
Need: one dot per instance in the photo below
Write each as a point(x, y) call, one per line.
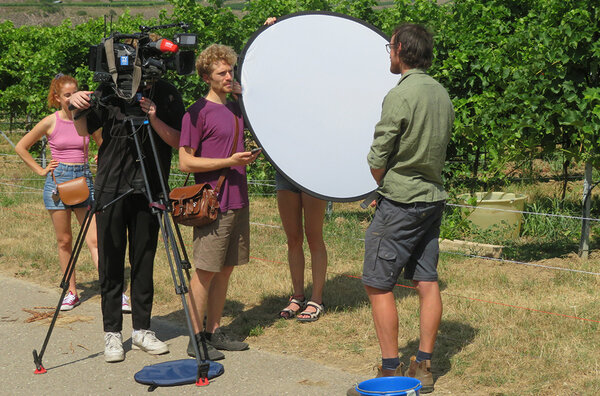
point(213, 54)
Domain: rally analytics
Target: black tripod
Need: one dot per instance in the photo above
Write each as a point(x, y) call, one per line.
point(171, 235)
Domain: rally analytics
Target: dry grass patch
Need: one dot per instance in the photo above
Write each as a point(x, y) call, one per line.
point(507, 328)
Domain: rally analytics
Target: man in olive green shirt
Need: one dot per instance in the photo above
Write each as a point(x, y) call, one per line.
point(406, 160)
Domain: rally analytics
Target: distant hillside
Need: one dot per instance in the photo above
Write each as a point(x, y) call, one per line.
point(53, 12)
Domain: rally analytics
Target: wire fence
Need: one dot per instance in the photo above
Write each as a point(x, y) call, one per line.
point(23, 189)
point(257, 188)
point(523, 212)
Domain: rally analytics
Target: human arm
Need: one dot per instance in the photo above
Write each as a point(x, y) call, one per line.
point(80, 100)
point(236, 90)
point(387, 131)
point(191, 164)
point(165, 109)
point(22, 148)
point(167, 133)
point(378, 175)
point(97, 136)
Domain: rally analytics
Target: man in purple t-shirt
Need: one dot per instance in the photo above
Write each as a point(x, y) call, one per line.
point(207, 139)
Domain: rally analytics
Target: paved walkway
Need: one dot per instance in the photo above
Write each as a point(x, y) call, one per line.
point(75, 361)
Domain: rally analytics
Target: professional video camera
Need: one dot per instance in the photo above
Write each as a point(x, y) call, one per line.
point(128, 59)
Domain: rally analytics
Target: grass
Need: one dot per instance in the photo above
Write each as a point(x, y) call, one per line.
point(507, 328)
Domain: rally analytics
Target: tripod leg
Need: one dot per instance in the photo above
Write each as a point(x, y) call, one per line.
point(203, 365)
point(173, 256)
point(37, 358)
point(185, 263)
point(181, 289)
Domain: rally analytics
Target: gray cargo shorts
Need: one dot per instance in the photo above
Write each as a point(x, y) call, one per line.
point(402, 236)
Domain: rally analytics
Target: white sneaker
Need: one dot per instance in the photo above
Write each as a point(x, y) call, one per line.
point(146, 341)
point(125, 307)
point(113, 347)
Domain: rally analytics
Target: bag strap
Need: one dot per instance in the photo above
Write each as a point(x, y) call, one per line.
point(86, 148)
point(233, 150)
point(112, 69)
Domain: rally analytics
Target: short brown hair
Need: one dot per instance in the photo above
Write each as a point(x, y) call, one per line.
point(417, 45)
point(211, 55)
point(58, 82)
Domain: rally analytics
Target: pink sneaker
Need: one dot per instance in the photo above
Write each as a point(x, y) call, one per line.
point(69, 302)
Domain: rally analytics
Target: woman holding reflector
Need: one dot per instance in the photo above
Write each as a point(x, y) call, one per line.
point(293, 205)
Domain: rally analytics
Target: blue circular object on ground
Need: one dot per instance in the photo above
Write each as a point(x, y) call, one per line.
point(390, 386)
point(176, 372)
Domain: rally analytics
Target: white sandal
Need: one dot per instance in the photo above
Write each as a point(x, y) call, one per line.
point(312, 316)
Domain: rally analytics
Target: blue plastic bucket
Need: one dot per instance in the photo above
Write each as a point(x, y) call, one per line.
point(390, 386)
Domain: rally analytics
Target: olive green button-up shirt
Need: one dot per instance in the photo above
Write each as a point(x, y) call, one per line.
point(411, 138)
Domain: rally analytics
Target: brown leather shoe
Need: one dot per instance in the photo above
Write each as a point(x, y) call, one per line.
point(398, 373)
point(422, 372)
point(353, 392)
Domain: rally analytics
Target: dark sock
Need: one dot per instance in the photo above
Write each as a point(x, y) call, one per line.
point(390, 364)
point(423, 356)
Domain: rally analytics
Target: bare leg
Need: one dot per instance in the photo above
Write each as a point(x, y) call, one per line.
point(290, 211)
point(61, 219)
point(430, 301)
point(385, 318)
point(91, 237)
point(217, 294)
point(314, 215)
point(198, 296)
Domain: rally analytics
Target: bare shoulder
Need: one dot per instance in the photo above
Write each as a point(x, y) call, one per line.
point(47, 124)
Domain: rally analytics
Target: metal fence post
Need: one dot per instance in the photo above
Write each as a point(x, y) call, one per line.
point(584, 244)
point(329, 208)
point(6, 137)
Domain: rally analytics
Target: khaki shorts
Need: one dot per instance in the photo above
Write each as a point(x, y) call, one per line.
point(226, 241)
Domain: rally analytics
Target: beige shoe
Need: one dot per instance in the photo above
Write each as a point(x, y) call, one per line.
point(353, 392)
point(422, 372)
point(146, 341)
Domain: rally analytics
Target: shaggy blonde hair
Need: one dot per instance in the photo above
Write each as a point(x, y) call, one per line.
point(213, 54)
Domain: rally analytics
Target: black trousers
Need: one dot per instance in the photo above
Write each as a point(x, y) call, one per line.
point(127, 220)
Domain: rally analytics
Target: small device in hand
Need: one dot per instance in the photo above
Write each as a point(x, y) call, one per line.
point(255, 150)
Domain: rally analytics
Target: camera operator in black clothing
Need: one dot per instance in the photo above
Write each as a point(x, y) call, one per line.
point(129, 217)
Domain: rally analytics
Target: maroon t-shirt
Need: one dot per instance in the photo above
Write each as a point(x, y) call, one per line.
point(210, 128)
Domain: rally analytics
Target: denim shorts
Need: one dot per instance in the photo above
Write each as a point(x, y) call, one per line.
point(63, 173)
point(281, 183)
point(402, 237)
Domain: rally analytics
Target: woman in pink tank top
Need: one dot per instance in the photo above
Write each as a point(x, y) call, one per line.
point(69, 161)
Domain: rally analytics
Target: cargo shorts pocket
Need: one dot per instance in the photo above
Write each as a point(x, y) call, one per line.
point(386, 265)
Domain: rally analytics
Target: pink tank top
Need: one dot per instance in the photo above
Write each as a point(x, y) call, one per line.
point(65, 144)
